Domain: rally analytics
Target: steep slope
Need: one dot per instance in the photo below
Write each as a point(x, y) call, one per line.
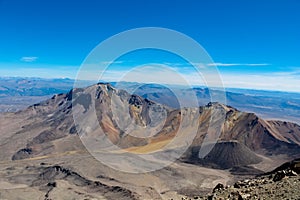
point(49, 128)
point(230, 154)
point(266, 104)
point(267, 138)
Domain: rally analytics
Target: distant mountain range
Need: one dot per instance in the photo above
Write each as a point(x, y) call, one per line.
point(266, 104)
point(18, 93)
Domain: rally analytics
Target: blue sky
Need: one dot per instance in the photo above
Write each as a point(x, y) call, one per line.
point(255, 44)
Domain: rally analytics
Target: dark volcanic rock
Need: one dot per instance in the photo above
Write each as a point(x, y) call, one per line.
point(230, 154)
point(277, 184)
point(279, 176)
point(45, 136)
point(49, 175)
point(293, 165)
point(220, 186)
point(22, 154)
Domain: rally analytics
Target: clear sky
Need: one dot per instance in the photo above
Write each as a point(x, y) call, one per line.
point(255, 43)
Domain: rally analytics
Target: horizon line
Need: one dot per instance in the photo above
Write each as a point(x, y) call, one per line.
point(103, 81)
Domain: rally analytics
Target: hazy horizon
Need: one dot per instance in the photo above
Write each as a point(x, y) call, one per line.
point(252, 45)
point(90, 82)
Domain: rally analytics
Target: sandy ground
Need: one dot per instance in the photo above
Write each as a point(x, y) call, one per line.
point(171, 182)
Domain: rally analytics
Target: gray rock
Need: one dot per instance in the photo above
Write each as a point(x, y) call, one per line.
point(279, 176)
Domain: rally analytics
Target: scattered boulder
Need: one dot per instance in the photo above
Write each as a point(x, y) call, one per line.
point(51, 184)
point(296, 166)
point(279, 176)
point(293, 165)
point(239, 184)
point(73, 130)
point(291, 173)
point(245, 196)
point(219, 186)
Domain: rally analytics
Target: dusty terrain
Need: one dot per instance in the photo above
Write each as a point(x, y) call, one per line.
point(26, 179)
point(43, 157)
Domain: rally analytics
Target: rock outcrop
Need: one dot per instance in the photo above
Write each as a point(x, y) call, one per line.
point(281, 183)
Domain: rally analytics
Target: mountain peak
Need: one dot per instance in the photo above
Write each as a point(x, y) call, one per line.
point(124, 117)
point(217, 105)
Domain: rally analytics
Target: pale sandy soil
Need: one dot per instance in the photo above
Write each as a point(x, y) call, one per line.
point(163, 184)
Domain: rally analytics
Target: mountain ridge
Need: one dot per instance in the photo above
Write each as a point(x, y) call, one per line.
point(44, 137)
point(260, 136)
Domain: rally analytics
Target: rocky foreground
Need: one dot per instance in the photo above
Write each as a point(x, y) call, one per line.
point(281, 183)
